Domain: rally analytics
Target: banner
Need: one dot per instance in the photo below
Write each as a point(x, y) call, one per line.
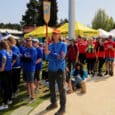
point(46, 9)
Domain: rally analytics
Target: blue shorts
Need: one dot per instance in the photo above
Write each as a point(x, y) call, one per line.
point(78, 80)
point(109, 59)
point(29, 77)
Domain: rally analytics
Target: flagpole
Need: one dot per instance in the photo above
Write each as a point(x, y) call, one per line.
point(71, 19)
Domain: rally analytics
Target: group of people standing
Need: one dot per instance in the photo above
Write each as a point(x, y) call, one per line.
point(13, 59)
point(93, 52)
point(65, 59)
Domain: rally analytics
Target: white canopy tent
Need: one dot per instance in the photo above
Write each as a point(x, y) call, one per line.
point(103, 33)
point(112, 32)
point(11, 31)
point(9, 35)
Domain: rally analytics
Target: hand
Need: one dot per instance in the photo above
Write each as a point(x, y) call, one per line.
point(47, 51)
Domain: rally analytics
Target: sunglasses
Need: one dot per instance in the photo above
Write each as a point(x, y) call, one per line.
point(28, 40)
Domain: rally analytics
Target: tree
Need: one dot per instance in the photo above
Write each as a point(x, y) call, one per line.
point(62, 21)
point(31, 14)
point(10, 26)
point(34, 14)
point(102, 20)
point(54, 10)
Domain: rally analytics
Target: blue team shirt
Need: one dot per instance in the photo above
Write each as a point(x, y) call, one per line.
point(8, 56)
point(83, 77)
point(39, 55)
point(21, 48)
point(31, 65)
point(55, 58)
point(16, 55)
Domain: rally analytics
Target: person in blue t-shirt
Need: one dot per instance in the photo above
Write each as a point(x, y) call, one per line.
point(55, 54)
point(78, 77)
point(29, 65)
point(5, 73)
point(16, 66)
point(38, 63)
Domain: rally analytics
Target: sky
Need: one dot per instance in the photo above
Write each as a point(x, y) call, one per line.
point(12, 10)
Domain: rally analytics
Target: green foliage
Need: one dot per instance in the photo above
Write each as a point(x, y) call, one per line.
point(102, 20)
point(10, 26)
point(54, 10)
point(34, 13)
point(62, 21)
point(31, 14)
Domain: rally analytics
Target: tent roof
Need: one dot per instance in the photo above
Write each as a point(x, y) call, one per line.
point(80, 29)
point(39, 32)
point(11, 31)
point(9, 35)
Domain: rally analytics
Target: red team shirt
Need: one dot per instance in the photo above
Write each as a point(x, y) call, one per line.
point(82, 45)
point(109, 52)
point(93, 54)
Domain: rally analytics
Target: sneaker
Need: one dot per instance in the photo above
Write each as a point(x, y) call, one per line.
point(31, 100)
point(14, 95)
point(60, 112)
point(111, 74)
point(99, 74)
point(51, 107)
point(10, 102)
point(106, 73)
point(3, 107)
point(36, 90)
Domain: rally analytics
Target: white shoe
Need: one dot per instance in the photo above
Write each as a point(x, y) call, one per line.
point(31, 100)
point(14, 95)
point(3, 107)
point(10, 102)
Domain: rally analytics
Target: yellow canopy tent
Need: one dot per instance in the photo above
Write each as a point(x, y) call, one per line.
point(39, 32)
point(80, 29)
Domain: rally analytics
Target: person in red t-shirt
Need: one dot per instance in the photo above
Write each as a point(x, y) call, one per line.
point(91, 57)
point(72, 54)
point(82, 45)
point(100, 55)
point(109, 47)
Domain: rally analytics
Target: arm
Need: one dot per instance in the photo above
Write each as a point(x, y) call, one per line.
point(40, 55)
point(3, 64)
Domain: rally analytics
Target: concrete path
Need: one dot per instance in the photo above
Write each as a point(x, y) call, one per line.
point(99, 100)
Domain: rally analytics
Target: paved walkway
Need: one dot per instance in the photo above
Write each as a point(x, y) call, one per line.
point(99, 100)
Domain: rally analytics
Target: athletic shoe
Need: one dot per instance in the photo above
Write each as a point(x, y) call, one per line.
point(106, 73)
point(14, 95)
point(31, 100)
point(60, 112)
point(51, 107)
point(10, 102)
point(99, 74)
point(3, 107)
point(111, 74)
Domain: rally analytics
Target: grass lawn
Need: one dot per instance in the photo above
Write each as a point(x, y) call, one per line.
point(22, 99)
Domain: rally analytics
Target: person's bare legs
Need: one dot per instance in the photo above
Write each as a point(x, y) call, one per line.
point(32, 88)
point(83, 87)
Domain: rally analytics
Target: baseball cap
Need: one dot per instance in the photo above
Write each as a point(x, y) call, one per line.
point(35, 40)
point(56, 31)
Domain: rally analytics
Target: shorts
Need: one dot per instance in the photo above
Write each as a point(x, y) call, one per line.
point(37, 75)
point(109, 59)
point(29, 77)
point(82, 58)
point(77, 81)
